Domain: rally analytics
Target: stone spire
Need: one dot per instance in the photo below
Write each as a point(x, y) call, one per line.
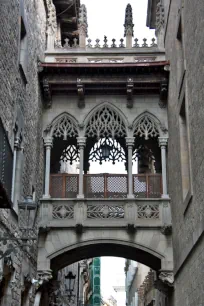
point(51, 24)
point(160, 20)
point(83, 26)
point(129, 33)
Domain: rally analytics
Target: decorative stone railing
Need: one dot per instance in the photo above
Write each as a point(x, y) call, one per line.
point(106, 186)
point(111, 212)
point(105, 45)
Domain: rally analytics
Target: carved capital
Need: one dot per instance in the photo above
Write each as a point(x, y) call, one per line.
point(81, 141)
point(163, 141)
point(130, 141)
point(48, 141)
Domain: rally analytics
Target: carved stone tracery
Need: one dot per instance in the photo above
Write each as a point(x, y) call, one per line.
point(146, 127)
point(105, 212)
point(117, 152)
point(106, 123)
point(64, 127)
point(148, 211)
point(62, 212)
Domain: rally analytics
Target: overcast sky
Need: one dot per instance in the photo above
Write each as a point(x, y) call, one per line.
point(106, 17)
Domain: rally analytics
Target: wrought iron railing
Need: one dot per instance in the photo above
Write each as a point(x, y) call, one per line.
point(6, 162)
point(106, 186)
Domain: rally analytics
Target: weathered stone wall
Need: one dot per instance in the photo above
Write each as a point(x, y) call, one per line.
point(15, 93)
point(188, 216)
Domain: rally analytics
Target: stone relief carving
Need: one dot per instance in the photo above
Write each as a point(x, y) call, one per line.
point(148, 211)
point(61, 212)
point(105, 212)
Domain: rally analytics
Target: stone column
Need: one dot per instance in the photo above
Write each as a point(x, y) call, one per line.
point(163, 141)
point(83, 26)
point(130, 143)
point(81, 141)
point(48, 146)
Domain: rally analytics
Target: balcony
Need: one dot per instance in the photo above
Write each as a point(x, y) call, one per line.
point(105, 186)
point(105, 201)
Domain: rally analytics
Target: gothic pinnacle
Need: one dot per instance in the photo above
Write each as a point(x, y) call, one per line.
point(128, 21)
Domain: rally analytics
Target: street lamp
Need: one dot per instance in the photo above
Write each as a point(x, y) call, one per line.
point(70, 283)
point(105, 149)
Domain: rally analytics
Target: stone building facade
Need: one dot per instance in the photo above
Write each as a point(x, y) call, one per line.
point(55, 84)
point(22, 33)
point(182, 22)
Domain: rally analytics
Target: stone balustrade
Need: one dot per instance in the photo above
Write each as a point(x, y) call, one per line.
point(105, 212)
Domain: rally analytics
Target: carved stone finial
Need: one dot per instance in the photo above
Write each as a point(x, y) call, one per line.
point(160, 17)
point(128, 21)
point(136, 45)
point(83, 24)
point(105, 42)
point(122, 43)
point(113, 43)
point(89, 45)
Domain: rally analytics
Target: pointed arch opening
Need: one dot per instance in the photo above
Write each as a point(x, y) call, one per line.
point(146, 131)
point(64, 156)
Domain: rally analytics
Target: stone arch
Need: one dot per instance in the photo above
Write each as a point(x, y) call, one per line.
point(105, 120)
point(106, 247)
point(148, 125)
point(64, 125)
point(62, 248)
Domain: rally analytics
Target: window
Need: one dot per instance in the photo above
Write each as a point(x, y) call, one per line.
point(180, 53)
point(23, 47)
point(184, 150)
